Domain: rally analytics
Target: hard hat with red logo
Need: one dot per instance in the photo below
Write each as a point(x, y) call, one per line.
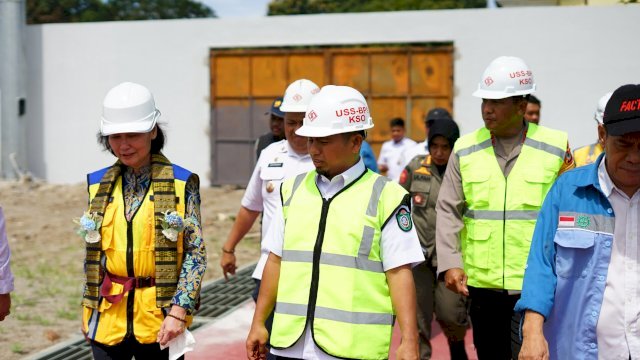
point(298, 95)
point(505, 77)
point(602, 104)
point(336, 110)
point(128, 108)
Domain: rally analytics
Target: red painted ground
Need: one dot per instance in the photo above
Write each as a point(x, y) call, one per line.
point(225, 338)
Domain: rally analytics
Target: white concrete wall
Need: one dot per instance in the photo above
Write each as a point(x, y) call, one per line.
point(577, 54)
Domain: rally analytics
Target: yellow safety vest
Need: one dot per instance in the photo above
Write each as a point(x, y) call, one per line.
point(331, 274)
point(138, 314)
point(587, 154)
point(501, 212)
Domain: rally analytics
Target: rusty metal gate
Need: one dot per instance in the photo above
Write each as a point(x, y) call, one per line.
point(405, 81)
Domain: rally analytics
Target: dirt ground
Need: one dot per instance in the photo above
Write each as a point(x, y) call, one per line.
point(47, 256)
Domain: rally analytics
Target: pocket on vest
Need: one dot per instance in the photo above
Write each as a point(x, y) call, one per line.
point(478, 245)
point(476, 188)
point(538, 183)
point(149, 300)
point(106, 231)
point(574, 252)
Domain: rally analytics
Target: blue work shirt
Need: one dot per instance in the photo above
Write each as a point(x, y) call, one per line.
point(568, 262)
point(368, 157)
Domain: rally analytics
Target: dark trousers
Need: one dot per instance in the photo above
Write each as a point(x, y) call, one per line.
point(450, 309)
point(127, 349)
point(269, 323)
point(495, 324)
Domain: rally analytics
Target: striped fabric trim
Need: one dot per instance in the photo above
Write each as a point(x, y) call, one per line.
point(376, 193)
point(502, 215)
point(93, 324)
point(545, 147)
point(360, 318)
point(367, 241)
point(296, 184)
point(474, 148)
point(351, 262)
point(597, 223)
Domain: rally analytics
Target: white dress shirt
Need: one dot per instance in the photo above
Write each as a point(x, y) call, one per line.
point(277, 162)
point(421, 148)
point(397, 248)
point(391, 156)
point(618, 328)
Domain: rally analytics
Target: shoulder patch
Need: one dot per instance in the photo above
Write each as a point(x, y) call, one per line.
point(180, 173)
point(403, 176)
point(403, 216)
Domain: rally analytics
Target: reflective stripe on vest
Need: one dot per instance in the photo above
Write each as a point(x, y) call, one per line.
point(587, 154)
point(108, 324)
point(501, 212)
point(334, 245)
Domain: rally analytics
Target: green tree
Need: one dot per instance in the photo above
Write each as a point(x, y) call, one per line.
point(157, 9)
point(46, 11)
point(291, 7)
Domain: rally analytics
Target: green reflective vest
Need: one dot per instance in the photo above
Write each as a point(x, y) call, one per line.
point(331, 273)
point(501, 212)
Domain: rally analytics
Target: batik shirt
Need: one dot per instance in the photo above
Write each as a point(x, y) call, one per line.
point(135, 187)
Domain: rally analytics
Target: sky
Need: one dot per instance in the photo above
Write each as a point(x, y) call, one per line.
point(238, 8)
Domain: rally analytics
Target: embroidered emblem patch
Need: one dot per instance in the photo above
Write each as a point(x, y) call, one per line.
point(583, 221)
point(404, 219)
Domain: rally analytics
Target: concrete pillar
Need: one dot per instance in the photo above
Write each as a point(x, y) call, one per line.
point(13, 95)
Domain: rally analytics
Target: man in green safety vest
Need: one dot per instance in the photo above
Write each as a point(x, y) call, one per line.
point(492, 190)
point(341, 249)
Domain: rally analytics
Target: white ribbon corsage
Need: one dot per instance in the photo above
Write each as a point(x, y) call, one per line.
point(89, 227)
point(172, 225)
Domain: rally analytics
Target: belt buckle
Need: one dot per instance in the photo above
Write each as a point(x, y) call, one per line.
point(143, 282)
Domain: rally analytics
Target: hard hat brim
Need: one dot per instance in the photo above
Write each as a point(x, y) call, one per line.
point(314, 131)
point(141, 126)
point(494, 95)
point(292, 108)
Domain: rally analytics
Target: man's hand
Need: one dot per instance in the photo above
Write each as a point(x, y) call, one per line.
point(5, 305)
point(456, 280)
point(534, 345)
point(228, 264)
point(172, 327)
point(257, 342)
point(408, 351)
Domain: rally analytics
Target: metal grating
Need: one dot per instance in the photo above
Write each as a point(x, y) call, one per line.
point(216, 299)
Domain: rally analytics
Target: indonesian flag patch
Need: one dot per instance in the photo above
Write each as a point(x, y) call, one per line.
point(566, 221)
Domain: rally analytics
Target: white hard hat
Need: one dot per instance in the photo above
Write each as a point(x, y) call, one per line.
point(336, 110)
point(602, 104)
point(505, 77)
point(298, 95)
point(128, 108)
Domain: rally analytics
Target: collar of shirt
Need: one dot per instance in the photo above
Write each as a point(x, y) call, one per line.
point(606, 184)
point(339, 181)
point(286, 148)
point(142, 177)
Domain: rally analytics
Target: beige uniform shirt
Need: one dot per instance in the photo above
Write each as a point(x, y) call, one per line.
point(451, 198)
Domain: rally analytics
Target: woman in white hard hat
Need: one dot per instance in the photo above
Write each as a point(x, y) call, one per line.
point(145, 255)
